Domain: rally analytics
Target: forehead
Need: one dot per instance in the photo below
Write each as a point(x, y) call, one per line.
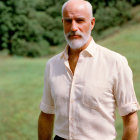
point(74, 11)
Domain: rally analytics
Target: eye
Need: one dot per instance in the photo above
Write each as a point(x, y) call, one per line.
point(68, 20)
point(80, 20)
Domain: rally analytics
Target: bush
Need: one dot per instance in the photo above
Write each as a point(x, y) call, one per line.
point(21, 47)
point(29, 27)
point(134, 2)
point(113, 15)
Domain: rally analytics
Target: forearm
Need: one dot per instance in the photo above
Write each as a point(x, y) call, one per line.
point(45, 126)
point(130, 133)
point(130, 129)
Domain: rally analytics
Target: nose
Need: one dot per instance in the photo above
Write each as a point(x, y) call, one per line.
point(74, 26)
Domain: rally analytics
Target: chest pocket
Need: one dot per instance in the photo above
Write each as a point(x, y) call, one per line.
point(96, 95)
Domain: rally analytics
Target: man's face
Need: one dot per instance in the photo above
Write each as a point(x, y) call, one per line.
point(77, 25)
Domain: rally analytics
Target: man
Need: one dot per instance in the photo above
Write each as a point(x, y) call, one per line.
point(84, 85)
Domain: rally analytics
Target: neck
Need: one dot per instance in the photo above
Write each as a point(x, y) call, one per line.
point(77, 51)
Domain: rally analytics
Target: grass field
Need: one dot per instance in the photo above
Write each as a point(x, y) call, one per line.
point(21, 86)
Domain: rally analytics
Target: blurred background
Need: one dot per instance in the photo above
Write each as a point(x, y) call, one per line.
point(31, 32)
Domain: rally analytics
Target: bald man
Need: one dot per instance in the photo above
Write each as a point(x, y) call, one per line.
point(85, 84)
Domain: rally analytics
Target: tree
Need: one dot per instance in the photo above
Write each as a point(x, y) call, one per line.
point(30, 27)
point(18, 26)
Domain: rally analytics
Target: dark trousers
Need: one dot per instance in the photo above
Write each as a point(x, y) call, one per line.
point(58, 138)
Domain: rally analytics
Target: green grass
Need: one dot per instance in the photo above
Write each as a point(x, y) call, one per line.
point(21, 83)
point(21, 86)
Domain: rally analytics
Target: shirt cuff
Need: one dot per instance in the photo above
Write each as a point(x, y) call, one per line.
point(128, 108)
point(47, 108)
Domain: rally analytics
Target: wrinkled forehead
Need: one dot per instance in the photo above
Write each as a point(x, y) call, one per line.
point(74, 10)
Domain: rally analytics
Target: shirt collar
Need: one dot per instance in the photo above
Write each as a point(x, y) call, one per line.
point(65, 53)
point(90, 50)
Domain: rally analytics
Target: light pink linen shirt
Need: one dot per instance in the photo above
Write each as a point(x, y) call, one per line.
point(84, 104)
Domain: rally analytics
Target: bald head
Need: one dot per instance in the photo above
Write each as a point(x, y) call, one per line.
point(78, 4)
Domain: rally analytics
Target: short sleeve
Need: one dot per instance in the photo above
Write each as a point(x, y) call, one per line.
point(47, 104)
point(124, 89)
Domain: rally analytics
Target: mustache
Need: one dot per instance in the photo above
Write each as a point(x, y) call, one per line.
point(74, 33)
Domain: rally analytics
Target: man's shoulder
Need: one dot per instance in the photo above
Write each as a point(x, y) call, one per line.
point(55, 59)
point(109, 54)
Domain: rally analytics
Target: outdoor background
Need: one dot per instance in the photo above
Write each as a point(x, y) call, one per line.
point(31, 32)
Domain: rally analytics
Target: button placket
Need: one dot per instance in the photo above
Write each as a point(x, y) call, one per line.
point(70, 74)
point(71, 120)
point(72, 96)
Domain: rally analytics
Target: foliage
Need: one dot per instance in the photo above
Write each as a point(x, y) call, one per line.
point(34, 25)
point(134, 2)
point(19, 29)
point(114, 14)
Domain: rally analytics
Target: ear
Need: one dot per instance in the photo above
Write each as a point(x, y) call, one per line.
point(92, 23)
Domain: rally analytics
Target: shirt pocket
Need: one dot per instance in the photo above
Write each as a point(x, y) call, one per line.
point(95, 95)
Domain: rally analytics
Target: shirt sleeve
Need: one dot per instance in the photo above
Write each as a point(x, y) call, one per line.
point(47, 104)
point(124, 89)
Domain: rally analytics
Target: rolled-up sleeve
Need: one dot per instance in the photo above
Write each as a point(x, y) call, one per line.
point(47, 104)
point(124, 89)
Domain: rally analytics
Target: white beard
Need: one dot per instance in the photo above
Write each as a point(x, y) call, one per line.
point(77, 43)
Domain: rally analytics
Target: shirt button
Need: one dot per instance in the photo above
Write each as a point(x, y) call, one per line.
point(71, 119)
point(72, 135)
point(72, 101)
